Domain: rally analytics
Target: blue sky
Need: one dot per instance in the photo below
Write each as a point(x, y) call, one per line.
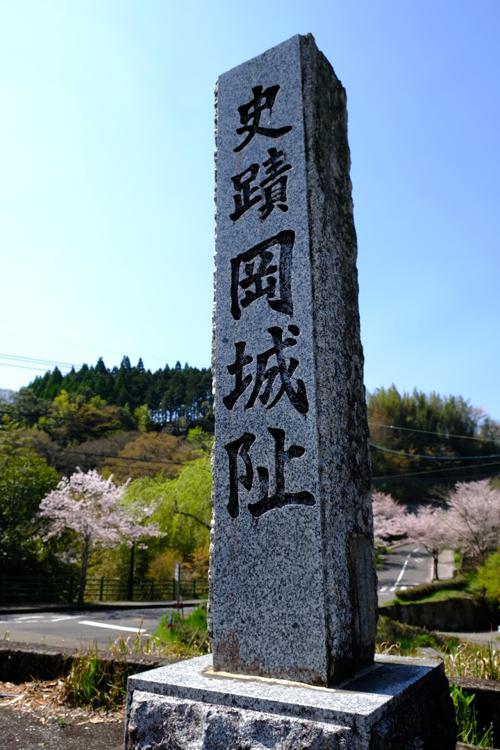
point(106, 178)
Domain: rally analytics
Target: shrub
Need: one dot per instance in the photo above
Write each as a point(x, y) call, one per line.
point(97, 682)
point(425, 590)
point(189, 634)
point(488, 577)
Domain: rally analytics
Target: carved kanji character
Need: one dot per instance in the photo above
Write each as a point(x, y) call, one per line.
point(244, 198)
point(239, 450)
point(266, 376)
point(264, 271)
point(274, 185)
point(250, 115)
point(281, 497)
point(236, 369)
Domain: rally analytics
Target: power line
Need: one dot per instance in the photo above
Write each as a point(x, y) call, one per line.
point(435, 471)
point(180, 463)
point(424, 457)
point(124, 458)
point(37, 360)
point(166, 462)
point(446, 435)
point(23, 367)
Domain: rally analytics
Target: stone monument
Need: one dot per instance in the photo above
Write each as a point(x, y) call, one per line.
point(293, 588)
point(292, 580)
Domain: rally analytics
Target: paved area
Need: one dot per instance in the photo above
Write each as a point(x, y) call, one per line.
point(33, 715)
point(484, 638)
point(28, 732)
point(65, 628)
point(407, 566)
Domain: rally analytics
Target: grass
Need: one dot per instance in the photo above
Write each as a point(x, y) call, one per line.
point(99, 679)
point(405, 640)
point(469, 660)
point(468, 728)
point(460, 659)
point(187, 636)
point(95, 681)
point(437, 596)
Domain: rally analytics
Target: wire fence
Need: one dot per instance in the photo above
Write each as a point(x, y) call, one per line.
point(34, 590)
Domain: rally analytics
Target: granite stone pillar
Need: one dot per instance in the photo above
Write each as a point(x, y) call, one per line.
point(293, 590)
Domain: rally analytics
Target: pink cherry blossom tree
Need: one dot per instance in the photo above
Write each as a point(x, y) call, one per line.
point(474, 518)
point(91, 507)
point(388, 518)
point(430, 527)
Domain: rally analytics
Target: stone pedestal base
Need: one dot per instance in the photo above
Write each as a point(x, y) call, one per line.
point(398, 704)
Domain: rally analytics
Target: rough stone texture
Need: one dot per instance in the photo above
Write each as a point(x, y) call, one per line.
point(293, 589)
point(161, 723)
point(397, 704)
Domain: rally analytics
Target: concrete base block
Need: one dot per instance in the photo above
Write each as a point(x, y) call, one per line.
point(398, 704)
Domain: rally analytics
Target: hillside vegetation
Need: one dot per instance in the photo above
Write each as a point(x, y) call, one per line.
point(154, 429)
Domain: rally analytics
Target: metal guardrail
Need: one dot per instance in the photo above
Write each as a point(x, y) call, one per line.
point(32, 590)
point(145, 589)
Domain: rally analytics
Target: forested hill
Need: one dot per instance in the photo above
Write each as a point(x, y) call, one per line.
point(171, 394)
point(420, 444)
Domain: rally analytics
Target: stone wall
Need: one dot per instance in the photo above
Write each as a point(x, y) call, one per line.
point(456, 614)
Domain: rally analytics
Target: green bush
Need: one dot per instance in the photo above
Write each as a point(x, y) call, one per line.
point(189, 634)
point(488, 577)
point(424, 590)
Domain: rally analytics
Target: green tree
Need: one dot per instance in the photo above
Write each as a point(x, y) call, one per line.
point(409, 430)
point(27, 408)
point(488, 577)
point(73, 418)
point(177, 397)
point(148, 454)
point(25, 478)
point(183, 504)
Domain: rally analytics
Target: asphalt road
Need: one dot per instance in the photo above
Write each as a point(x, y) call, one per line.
point(406, 567)
point(75, 629)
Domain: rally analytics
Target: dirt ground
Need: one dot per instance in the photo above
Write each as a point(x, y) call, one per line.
point(33, 717)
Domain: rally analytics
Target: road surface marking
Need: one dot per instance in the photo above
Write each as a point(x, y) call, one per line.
point(60, 619)
point(402, 571)
point(384, 588)
point(112, 627)
point(25, 618)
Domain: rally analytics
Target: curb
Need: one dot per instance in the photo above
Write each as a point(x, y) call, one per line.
point(21, 662)
point(24, 609)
